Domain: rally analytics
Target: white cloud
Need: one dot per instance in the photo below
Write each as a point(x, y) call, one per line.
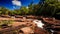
point(16, 2)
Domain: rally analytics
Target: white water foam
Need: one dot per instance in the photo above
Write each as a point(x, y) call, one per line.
point(39, 23)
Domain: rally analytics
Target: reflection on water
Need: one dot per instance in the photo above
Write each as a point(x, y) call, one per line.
point(39, 23)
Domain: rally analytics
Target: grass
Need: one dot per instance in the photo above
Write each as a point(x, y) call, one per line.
point(7, 22)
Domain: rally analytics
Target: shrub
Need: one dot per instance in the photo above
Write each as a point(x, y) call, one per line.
point(6, 22)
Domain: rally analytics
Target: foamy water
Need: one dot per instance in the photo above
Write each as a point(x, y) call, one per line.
point(39, 23)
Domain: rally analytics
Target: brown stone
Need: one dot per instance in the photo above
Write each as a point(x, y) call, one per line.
point(40, 31)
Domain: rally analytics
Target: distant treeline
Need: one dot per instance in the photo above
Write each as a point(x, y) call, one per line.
point(50, 8)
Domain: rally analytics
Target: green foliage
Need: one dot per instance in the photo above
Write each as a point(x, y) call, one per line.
point(48, 8)
point(24, 10)
point(36, 9)
point(4, 11)
point(8, 22)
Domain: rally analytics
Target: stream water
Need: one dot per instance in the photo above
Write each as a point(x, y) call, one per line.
point(39, 23)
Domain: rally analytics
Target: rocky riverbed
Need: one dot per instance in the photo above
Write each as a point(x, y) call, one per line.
point(30, 26)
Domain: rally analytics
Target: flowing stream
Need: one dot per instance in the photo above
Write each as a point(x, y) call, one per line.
point(39, 23)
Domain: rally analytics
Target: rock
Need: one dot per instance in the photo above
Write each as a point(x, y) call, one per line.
point(40, 31)
point(27, 30)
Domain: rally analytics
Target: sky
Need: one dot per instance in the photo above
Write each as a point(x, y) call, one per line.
point(15, 4)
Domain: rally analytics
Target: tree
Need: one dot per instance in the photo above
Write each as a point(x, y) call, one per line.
point(36, 9)
point(49, 7)
point(24, 10)
point(4, 10)
point(31, 8)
